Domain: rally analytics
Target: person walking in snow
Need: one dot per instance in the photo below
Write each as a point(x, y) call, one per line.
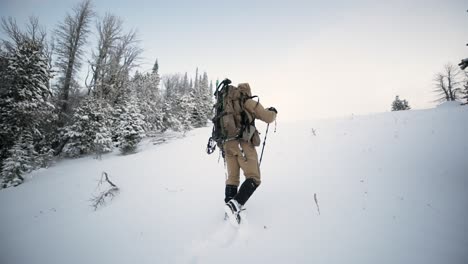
point(236, 114)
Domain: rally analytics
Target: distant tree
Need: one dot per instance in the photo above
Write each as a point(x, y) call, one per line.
point(448, 83)
point(71, 36)
point(173, 85)
point(149, 99)
point(169, 118)
point(399, 105)
point(185, 83)
point(155, 67)
point(203, 102)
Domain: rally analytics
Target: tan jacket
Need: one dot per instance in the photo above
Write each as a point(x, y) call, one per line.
point(259, 112)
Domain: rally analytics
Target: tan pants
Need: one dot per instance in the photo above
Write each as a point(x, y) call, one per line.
point(236, 160)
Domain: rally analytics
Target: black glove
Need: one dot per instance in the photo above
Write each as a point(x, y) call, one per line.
point(272, 109)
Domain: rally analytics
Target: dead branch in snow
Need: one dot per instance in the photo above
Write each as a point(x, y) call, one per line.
point(107, 194)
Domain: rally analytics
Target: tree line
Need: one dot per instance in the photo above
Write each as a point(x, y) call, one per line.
point(46, 112)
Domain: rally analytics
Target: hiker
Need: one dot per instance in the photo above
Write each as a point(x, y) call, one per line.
point(239, 112)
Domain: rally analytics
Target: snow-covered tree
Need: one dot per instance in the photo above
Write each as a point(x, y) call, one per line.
point(399, 105)
point(90, 129)
point(20, 160)
point(24, 99)
point(146, 89)
point(203, 102)
point(189, 104)
point(129, 126)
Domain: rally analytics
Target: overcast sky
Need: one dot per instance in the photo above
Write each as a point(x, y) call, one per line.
point(310, 59)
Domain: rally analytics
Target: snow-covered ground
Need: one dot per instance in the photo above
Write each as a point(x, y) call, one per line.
point(391, 187)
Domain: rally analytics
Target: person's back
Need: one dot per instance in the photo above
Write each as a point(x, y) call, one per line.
point(240, 153)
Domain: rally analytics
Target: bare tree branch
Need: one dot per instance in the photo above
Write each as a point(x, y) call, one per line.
point(71, 37)
point(109, 193)
point(447, 83)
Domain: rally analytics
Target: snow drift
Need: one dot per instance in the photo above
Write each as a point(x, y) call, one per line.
point(392, 188)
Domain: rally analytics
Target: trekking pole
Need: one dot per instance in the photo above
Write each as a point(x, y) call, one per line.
point(263, 147)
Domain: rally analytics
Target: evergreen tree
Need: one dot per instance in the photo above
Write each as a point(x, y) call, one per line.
point(399, 105)
point(24, 105)
point(89, 131)
point(20, 161)
point(155, 67)
point(170, 118)
point(146, 89)
point(203, 102)
point(129, 127)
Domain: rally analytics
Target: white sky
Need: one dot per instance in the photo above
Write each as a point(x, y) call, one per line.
point(309, 59)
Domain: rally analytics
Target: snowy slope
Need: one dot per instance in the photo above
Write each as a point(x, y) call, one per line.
point(392, 188)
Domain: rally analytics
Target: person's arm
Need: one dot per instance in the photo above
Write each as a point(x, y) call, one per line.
point(259, 111)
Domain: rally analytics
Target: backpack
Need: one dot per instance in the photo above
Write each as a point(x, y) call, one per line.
point(231, 121)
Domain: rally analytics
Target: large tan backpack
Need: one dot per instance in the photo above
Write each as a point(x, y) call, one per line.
point(231, 121)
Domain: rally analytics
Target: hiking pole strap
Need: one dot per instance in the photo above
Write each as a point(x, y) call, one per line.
point(263, 147)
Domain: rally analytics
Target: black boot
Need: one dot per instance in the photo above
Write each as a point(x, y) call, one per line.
point(245, 191)
point(230, 192)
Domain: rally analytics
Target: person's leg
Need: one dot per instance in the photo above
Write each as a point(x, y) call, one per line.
point(229, 192)
point(249, 165)
point(233, 171)
point(249, 162)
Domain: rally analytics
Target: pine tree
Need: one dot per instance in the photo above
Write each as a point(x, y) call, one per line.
point(24, 105)
point(203, 102)
point(129, 126)
point(170, 120)
point(155, 67)
point(146, 88)
point(89, 131)
point(20, 161)
point(399, 105)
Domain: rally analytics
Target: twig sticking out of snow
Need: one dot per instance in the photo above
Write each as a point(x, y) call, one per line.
point(109, 193)
point(316, 203)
